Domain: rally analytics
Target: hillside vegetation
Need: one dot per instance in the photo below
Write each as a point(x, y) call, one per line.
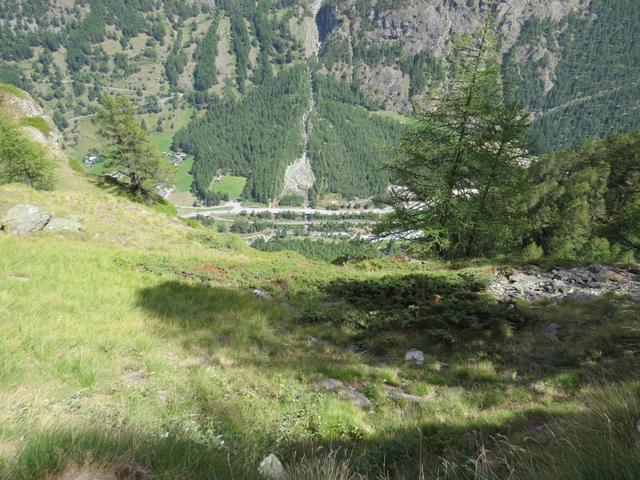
point(144, 347)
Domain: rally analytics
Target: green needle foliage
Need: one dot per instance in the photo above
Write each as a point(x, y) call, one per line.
point(129, 150)
point(206, 74)
point(586, 203)
point(21, 159)
point(460, 171)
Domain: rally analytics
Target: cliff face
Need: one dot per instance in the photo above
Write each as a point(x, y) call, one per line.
point(368, 35)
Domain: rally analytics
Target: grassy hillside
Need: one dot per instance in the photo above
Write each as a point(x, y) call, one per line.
point(144, 347)
point(138, 344)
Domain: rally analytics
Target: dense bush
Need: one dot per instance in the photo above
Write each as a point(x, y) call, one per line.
point(321, 250)
point(22, 160)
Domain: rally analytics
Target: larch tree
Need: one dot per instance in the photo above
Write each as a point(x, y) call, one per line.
point(129, 150)
point(459, 176)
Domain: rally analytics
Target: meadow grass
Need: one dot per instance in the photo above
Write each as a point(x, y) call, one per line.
point(230, 184)
point(188, 374)
point(38, 123)
point(183, 178)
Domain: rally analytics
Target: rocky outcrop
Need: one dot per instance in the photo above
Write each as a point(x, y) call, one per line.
point(26, 218)
point(62, 225)
point(575, 283)
point(22, 106)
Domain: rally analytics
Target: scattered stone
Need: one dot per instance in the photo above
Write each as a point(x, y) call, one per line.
point(346, 392)
point(638, 426)
point(405, 397)
point(24, 218)
point(63, 225)
point(311, 341)
point(134, 377)
point(271, 468)
point(260, 293)
point(559, 284)
point(415, 357)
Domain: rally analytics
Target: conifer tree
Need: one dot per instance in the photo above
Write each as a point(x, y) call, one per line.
point(460, 175)
point(129, 150)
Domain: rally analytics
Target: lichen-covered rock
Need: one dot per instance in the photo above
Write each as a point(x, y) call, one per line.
point(347, 392)
point(24, 218)
point(63, 225)
point(271, 468)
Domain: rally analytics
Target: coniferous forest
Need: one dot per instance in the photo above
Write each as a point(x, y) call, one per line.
point(257, 136)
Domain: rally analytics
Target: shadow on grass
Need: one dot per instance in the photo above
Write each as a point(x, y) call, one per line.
point(88, 452)
point(211, 317)
point(119, 189)
point(596, 442)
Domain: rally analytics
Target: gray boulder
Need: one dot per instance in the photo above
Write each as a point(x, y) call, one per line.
point(24, 218)
point(346, 392)
point(271, 468)
point(62, 225)
point(414, 357)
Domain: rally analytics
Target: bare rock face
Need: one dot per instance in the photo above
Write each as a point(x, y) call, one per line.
point(24, 218)
point(429, 24)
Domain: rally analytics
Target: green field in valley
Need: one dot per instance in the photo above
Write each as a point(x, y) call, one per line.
point(183, 178)
point(229, 184)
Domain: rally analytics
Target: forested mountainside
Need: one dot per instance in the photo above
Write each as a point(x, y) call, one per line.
point(232, 81)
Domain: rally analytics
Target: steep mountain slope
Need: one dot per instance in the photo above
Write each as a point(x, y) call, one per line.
point(572, 62)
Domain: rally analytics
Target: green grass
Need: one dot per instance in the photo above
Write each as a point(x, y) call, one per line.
point(162, 141)
point(390, 114)
point(183, 178)
point(234, 186)
point(13, 90)
point(38, 123)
